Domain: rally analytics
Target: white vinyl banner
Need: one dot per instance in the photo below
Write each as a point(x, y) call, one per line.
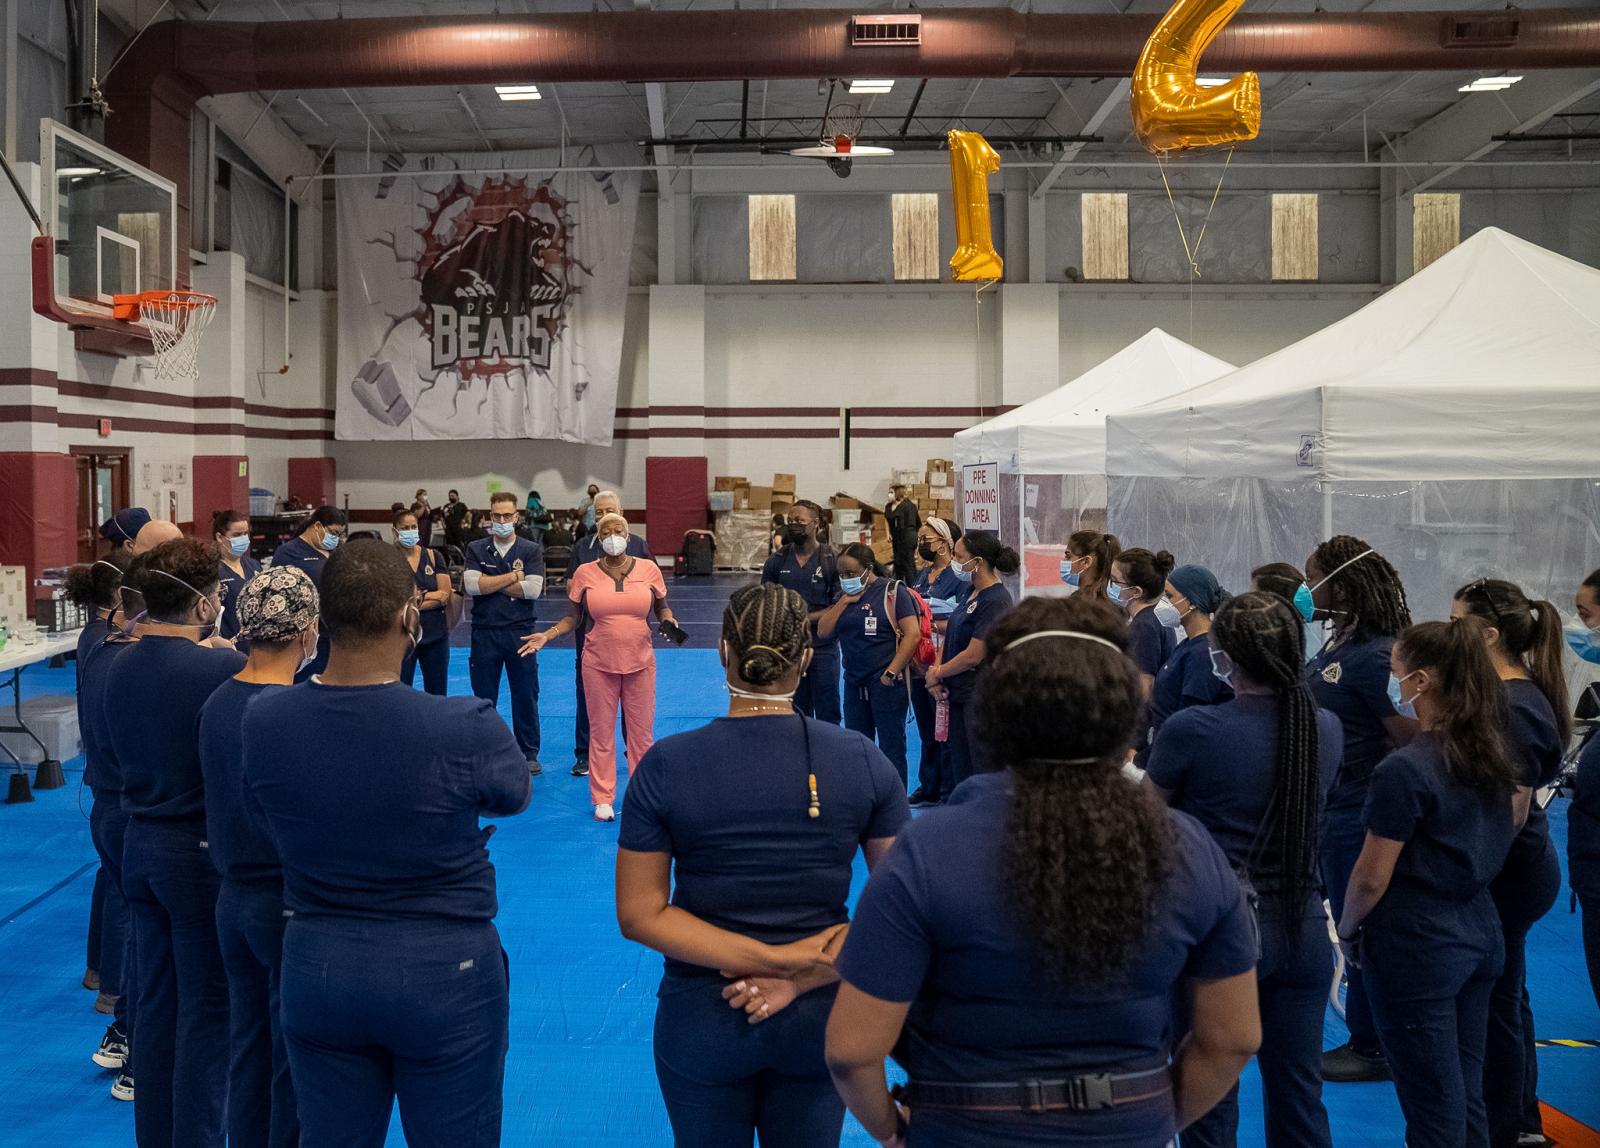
point(479, 305)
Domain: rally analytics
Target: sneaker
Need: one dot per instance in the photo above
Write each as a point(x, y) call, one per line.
point(113, 1050)
point(91, 980)
point(105, 1004)
point(122, 1088)
point(534, 768)
point(921, 799)
point(1533, 1140)
point(580, 768)
point(1345, 1065)
point(604, 813)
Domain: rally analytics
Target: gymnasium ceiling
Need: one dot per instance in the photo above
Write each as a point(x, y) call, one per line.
point(1305, 115)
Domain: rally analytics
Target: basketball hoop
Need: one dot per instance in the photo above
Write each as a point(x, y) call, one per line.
point(175, 320)
point(841, 127)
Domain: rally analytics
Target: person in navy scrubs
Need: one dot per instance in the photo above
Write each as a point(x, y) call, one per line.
point(152, 705)
point(394, 979)
point(979, 560)
point(1023, 974)
point(235, 566)
point(1138, 585)
point(309, 550)
point(1583, 814)
point(583, 551)
point(878, 638)
point(1418, 917)
point(504, 578)
point(811, 570)
point(941, 589)
point(1186, 678)
point(277, 614)
point(1525, 647)
point(98, 586)
point(1359, 599)
point(434, 594)
point(735, 857)
point(1254, 770)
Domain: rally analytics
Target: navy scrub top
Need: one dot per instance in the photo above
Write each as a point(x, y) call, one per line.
point(946, 586)
point(239, 845)
point(1583, 825)
point(1350, 678)
point(94, 632)
point(300, 553)
point(1186, 680)
point(867, 640)
point(972, 621)
point(935, 927)
point(426, 576)
point(1537, 748)
point(729, 802)
point(1150, 643)
point(1220, 765)
point(153, 709)
point(102, 773)
point(817, 581)
point(392, 833)
point(1456, 842)
point(230, 584)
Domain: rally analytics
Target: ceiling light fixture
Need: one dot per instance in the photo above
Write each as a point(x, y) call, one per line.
point(871, 87)
point(511, 92)
point(76, 172)
point(1489, 84)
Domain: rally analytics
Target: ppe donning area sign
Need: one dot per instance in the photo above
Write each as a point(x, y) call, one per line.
point(980, 496)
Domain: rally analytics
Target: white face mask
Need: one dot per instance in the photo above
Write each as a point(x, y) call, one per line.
point(1167, 614)
point(307, 656)
point(616, 545)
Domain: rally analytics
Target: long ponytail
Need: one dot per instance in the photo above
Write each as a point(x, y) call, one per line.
point(1472, 714)
point(1530, 632)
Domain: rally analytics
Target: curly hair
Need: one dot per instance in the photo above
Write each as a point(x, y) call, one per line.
point(765, 627)
point(1472, 713)
point(173, 576)
point(365, 586)
point(96, 583)
point(1266, 640)
point(1088, 854)
point(1365, 589)
point(1530, 632)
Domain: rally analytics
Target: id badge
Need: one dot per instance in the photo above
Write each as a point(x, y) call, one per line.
point(871, 625)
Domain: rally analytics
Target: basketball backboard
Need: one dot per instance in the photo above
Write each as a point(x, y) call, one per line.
point(110, 230)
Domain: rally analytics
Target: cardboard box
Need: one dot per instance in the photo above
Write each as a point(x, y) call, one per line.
point(729, 482)
point(904, 478)
point(844, 502)
point(883, 551)
point(780, 506)
point(846, 517)
point(783, 482)
point(942, 493)
point(721, 500)
point(760, 497)
point(927, 506)
point(939, 478)
point(946, 510)
point(921, 491)
point(844, 535)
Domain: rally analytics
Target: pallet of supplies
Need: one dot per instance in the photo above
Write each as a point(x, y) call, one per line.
point(744, 539)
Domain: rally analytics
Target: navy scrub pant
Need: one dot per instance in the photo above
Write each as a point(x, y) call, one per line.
point(1292, 981)
point(494, 650)
point(1523, 893)
point(960, 759)
point(97, 912)
point(724, 1080)
point(928, 766)
point(182, 1004)
point(818, 695)
point(261, 1105)
point(375, 1011)
point(108, 826)
point(434, 658)
point(873, 708)
point(1589, 900)
point(1342, 838)
point(1431, 970)
point(580, 731)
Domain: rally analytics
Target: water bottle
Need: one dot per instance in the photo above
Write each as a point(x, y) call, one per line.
point(941, 720)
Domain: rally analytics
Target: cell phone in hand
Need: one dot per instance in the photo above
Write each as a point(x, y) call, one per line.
point(673, 633)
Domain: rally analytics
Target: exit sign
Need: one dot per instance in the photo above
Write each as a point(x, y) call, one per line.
point(105, 428)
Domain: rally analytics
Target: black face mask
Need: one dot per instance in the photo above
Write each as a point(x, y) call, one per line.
point(796, 534)
point(926, 552)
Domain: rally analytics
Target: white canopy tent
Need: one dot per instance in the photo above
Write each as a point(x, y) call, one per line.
point(1051, 451)
point(1449, 423)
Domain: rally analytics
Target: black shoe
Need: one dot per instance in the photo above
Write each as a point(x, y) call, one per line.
point(920, 799)
point(113, 1050)
point(580, 768)
point(1346, 1065)
point(534, 768)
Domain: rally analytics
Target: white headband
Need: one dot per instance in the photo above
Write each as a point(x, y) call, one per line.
point(939, 528)
point(1078, 634)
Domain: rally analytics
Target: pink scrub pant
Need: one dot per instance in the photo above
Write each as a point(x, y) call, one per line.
point(636, 694)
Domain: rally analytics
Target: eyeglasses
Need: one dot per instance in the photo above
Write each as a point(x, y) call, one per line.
point(503, 517)
point(1482, 587)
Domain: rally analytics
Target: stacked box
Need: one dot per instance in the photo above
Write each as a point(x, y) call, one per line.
point(945, 510)
point(905, 478)
point(844, 502)
point(729, 482)
point(850, 517)
point(14, 600)
point(942, 493)
point(844, 535)
point(940, 472)
point(883, 551)
point(721, 500)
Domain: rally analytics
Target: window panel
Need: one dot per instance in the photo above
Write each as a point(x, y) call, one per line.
point(1294, 237)
point(772, 238)
point(1435, 226)
point(1105, 235)
point(916, 236)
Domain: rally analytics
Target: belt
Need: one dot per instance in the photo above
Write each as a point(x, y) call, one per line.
point(1087, 1093)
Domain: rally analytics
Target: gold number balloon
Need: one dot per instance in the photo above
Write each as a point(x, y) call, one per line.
point(1171, 111)
point(972, 162)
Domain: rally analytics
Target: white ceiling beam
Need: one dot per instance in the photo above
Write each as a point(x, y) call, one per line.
point(1464, 131)
point(1075, 99)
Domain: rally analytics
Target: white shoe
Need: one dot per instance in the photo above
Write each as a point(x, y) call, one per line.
point(122, 1087)
point(604, 813)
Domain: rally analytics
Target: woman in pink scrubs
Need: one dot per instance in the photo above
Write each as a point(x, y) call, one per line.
point(613, 599)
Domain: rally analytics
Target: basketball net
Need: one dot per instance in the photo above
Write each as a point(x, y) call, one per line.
point(841, 126)
point(175, 321)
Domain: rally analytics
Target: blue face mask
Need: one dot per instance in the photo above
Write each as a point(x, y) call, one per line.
point(1119, 594)
point(502, 529)
point(1069, 576)
point(961, 572)
point(330, 542)
point(852, 586)
point(409, 538)
point(1303, 603)
point(1403, 708)
point(1584, 642)
point(240, 545)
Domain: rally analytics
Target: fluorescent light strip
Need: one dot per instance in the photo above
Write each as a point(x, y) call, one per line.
point(518, 91)
point(871, 87)
point(1489, 84)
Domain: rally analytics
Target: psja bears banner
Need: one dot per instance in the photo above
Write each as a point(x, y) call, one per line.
point(483, 305)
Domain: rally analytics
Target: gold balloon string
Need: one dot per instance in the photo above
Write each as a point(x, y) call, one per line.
point(1193, 253)
point(977, 341)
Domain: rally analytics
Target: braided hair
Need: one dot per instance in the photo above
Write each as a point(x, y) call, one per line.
point(1530, 632)
point(1368, 593)
point(765, 627)
point(1280, 578)
point(1265, 638)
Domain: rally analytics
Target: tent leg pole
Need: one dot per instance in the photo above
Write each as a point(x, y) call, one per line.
point(1327, 512)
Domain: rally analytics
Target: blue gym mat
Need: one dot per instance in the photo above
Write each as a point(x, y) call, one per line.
point(580, 1070)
